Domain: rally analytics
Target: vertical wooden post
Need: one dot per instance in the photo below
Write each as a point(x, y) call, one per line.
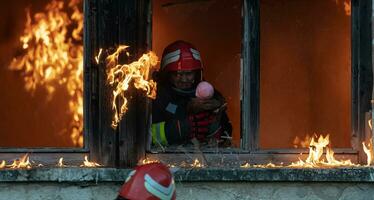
point(362, 74)
point(250, 83)
point(134, 126)
point(109, 23)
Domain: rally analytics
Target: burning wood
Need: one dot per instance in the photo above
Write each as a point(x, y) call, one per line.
point(120, 76)
point(53, 56)
point(87, 163)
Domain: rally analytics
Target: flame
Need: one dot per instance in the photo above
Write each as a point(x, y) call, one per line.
point(120, 76)
point(369, 152)
point(269, 165)
point(2, 164)
point(347, 6)
point(245, 165)
point(97, 58)
point(60, 163)
point(197, 164)
point(148, 161)
point(370, 124)
point(87, 163)
point(53, 57)
point(23, 162)
point(297, 142)
point(315, 157)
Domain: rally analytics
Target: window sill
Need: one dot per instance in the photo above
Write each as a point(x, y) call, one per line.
point(75, 174)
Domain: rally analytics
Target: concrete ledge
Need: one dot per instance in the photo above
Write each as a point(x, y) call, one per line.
point(191, 175)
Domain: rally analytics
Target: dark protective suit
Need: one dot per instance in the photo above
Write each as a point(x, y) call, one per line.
point(170, 123)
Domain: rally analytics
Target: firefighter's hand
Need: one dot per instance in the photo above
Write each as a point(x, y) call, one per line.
point(197, 105)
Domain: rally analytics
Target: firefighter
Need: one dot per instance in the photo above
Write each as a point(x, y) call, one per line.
point(148, 182)
point(178, 117)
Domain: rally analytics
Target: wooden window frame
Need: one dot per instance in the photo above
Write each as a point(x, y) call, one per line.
point(112, 22)
point(362, 83)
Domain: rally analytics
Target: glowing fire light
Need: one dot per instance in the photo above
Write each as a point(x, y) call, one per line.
point(120, 76)
point(23, 162)
point(315, 158)
point(2, 164)
point(87, 163)
point(148, 161)
point(297, 142)
point(369, 148)
point(197, 164)
point(53, 57)
point(347, 6)
point(246, 165)
point(97, 58)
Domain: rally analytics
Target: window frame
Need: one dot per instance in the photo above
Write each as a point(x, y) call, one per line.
point(110, 23)
point(250, 87)
point(361, 78)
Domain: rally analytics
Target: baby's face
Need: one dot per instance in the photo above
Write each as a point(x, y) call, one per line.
point(183, 79)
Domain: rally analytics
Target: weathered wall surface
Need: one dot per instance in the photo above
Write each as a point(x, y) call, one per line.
point(196, 190)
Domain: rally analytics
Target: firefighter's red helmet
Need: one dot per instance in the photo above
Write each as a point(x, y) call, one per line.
point(181, 56)
point(149, 182)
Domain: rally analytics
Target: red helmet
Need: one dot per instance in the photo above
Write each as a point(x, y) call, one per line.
point(181, 56)
point(149, 182)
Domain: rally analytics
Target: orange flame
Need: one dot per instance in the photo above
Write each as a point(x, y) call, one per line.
point(315, 158)
point(245, 165)
point(197, 164)
point(60, 163)
point(347, 6)
point(369, 152)
point(148, 161)
point(120, 76)
point(3, 164)
point(23, 162)
point(87, 163)
point(53, 56)
point(97, 58)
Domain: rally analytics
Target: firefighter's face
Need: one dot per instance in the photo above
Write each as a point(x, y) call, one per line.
point(183, 79)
